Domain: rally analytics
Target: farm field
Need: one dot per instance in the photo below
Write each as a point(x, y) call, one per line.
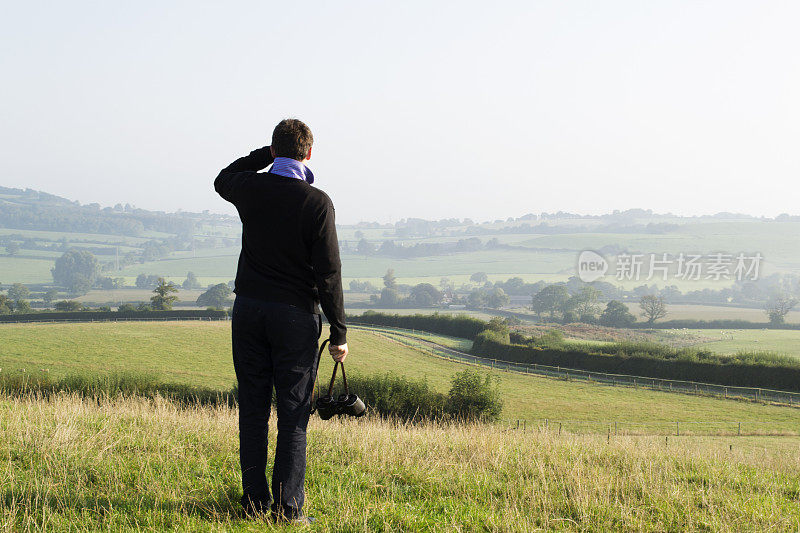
point(25, 270)
point(714, 312)
point(132, 465)
point(199, 353)
point(730, 341)
point(115, 296)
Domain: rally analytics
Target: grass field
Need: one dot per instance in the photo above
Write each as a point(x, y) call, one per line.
point(199, 353)
point(133, 465)
point(729, 341)
point(714, 312)
point(115, 296)
point(25, 270)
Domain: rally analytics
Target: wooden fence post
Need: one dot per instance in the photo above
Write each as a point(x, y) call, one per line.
point(677, 429)
point(740, 429)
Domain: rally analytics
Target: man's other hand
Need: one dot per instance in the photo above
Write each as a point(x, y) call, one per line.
point(338, 352)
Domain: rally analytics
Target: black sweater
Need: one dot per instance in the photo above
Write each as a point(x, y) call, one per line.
point(290, 253)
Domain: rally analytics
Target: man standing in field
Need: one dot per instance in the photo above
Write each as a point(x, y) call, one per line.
point(289, 264)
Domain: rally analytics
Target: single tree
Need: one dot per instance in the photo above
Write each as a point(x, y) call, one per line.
point(389, 281)
point(653, 307)
point(22, 306)
point(479, 277)
point(6, 305)
point(217, 296)
point(364, 247)
point(163, 299)
point(76, 270)
point(18, 291)
point(496, 298)
point(478, 299)
point(550, 299)
point(583, 304)
point(778, 306)
point(617, 315)
point(424, 295)
point(49, 296)
point(190, 282)
point(390, 297)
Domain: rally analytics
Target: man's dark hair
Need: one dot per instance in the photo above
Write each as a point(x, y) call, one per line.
point(292, 138)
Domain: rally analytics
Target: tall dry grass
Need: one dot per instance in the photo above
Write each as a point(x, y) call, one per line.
point(116, 464)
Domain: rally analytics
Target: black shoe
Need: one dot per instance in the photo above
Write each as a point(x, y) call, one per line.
point(254, 508)
point(301, 520)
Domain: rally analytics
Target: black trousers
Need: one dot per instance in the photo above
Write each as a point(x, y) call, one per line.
point(274, 345)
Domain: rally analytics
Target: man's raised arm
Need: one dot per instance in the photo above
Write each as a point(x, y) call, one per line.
point(230, 178)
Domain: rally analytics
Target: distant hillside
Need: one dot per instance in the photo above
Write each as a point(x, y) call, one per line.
point(36, 210)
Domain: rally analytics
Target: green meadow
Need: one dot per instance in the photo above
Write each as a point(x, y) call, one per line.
point(199, 353)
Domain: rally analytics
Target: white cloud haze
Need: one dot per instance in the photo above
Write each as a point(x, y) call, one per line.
point(426, 109)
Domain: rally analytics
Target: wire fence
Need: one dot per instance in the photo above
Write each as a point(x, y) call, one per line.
point(411, 338)
point(677, 428)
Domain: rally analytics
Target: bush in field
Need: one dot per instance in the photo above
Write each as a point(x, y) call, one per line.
point(397, 396)
point(68, 306)
point(6, 305)
point(552, 338)
point(500, 327)
point(474, 395)
point(616, 315)
point(217, 296)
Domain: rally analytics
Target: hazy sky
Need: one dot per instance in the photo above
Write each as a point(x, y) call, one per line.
point(419, 108)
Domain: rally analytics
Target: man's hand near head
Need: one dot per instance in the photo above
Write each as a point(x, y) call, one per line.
point(338, 352)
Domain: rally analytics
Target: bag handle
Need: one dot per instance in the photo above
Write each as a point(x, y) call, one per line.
point(333, 379)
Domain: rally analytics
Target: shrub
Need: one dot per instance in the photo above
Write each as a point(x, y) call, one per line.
point(112, 385)
point(474, 396)
point(398, 396)
point(68, 306)
point(463, 326)
point(552, 338)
